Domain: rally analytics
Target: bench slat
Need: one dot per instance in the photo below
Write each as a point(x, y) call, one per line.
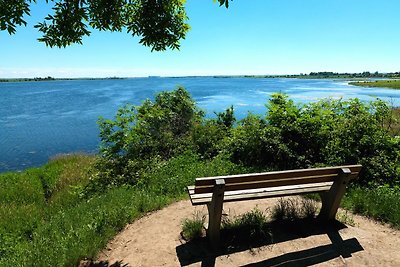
point(276, 175)
point(270, 183)
point(277, 192)
point(190, 190)
point(258, 190)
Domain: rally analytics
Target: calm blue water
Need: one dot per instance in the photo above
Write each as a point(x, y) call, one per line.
point(41, 119)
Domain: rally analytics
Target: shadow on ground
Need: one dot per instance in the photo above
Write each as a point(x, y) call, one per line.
point(233, 241)
point(90, 263)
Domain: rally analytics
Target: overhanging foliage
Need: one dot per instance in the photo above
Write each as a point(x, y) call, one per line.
point(160, 24)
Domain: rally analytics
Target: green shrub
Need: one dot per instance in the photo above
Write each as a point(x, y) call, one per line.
point(193, 228)
point(171, 177)
point(254, 143)
point(154, 129)
point(226, 118)
point(208, 137)
point(360, 137)
point(325, 133)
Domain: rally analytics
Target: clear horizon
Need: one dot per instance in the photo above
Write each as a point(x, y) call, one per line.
point(174, 76)
point(258, 38)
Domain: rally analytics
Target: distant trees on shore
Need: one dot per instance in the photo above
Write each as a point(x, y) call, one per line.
point(365, 74)
point(36, 79)
point(324, 75)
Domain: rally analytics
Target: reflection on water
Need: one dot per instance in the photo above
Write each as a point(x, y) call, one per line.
point(41, 119)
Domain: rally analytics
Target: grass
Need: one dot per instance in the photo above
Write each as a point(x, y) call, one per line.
point(345, 217)
point(249, 228)
point(45, 221)
point(394, 84)
point(393, 122)
point(292, 209)
point(193, 228)
point(379, 202)
point(253, 222)
point(254, 228)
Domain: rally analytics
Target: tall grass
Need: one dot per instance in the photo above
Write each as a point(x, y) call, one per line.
point(193, 228)
point(379, 202)
point(292, 209)
point(45, 221)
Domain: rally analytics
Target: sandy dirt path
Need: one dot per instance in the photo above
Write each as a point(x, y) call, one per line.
point(155, 240)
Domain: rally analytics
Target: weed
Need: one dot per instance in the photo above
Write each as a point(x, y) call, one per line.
point(291, 209)
point(193, 228)
point(345, 217)
point(309, 208)
point(285, 209)
point(250, 225)
point(378, 202)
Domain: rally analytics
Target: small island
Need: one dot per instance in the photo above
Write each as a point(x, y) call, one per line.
point(394, 84)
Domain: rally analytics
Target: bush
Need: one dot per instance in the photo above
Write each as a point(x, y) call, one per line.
point(137, 134)
point(154, 128)
point(208, 137)
point(325, 133)
point(254, 143)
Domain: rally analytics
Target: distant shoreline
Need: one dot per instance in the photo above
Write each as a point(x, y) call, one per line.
point(393, 84)
point(39, 79)
point(323, 75)
point(312, 75)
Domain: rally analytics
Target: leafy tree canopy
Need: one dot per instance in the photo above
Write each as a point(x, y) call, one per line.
point(160, 24)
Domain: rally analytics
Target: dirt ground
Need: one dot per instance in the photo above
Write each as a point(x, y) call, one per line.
point(155, 240)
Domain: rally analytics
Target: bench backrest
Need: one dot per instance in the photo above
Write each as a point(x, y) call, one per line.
point(272, 179)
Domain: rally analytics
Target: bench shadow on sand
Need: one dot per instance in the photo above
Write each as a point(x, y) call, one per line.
point(199, 250)
point(90, 263)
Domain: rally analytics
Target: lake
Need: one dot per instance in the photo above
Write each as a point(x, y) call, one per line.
point(39, 120)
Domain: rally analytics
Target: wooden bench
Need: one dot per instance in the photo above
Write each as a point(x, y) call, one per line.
point(330, 182)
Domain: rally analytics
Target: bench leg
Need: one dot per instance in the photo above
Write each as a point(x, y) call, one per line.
point(331, 199)
point(215, 214)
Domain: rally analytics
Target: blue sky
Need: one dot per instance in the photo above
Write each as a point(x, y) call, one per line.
point(251, 37)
